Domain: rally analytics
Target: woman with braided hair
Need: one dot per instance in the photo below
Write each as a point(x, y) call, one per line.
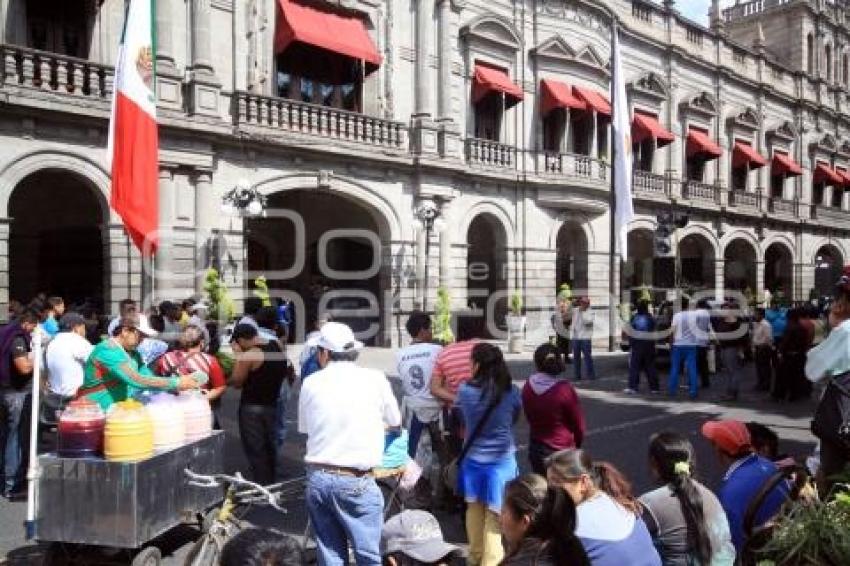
point(684, 517)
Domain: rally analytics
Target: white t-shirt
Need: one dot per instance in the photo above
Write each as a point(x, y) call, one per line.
point(415, 364)
point(66, 359)
point(344, 410)
point(691, 328)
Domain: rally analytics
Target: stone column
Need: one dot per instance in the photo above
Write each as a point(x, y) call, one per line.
point(206, 215)
point(421, 236)
point(445, 256)
point(444, 110)
point(164, 43)
point(201, 42)
point(719, 276)
point(423, 58)
point(204, 88)
point(164, 274)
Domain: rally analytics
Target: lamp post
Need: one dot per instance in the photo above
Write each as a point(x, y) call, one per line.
point(427, 213)
point(243, 201)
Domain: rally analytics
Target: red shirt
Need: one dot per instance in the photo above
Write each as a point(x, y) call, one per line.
point(182, 363)
point(554, 416)
point(454, 364)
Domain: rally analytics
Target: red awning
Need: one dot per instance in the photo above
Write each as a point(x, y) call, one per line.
point(827, 175)
point(645, 127)
point(593, 99)
point(331, 31)
point(555, 94)
point(700, 144)
point(844, 175)
point(744, 154)
point(784, 165)
point(487, 79)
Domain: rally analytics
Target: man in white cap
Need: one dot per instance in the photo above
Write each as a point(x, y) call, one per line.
point(345, 410)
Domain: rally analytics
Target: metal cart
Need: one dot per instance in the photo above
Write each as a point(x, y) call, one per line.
point(87, 504)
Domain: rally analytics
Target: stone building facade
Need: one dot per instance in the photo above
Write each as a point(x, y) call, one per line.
point(350, 115)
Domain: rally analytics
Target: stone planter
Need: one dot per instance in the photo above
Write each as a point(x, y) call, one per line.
point(516, 333)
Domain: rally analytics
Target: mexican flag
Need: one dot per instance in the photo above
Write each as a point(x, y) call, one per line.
point(133, 141)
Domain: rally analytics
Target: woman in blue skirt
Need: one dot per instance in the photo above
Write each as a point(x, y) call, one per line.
point(490, 405)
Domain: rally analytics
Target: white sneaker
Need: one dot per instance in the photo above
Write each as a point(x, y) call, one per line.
point(629, 391)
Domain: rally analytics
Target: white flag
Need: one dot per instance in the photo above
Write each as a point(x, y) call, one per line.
point(622, 130)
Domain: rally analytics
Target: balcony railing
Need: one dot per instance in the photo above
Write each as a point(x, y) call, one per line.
point(490, 153)
point(314, 120)
point(831, 215)
point(695, 190)
point(781, 206)
point(574, 165)
point(744, 199)
point(46, 71)
point(647, 183)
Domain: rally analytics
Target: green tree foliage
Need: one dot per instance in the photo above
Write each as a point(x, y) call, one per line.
point(261, 290)
point(218, 297)
point(443, 318)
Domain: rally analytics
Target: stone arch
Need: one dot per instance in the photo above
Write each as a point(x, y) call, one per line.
point(572, 255)
point(750, 238)
point(637, 269)
point(828, 262)
point(697, 253)
point(582, 219)
point(384, 213)
point(24, 165)
point(486, 207)
point(704, 232)
point(826, 242)
point(740, 257)
point(779, 267)
point(487, 278)
point(782, 239)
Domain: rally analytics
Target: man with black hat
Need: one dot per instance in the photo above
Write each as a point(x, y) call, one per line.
point(115, 370)
point(66, 356)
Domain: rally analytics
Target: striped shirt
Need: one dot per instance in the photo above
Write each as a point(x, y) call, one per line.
point(454, 364)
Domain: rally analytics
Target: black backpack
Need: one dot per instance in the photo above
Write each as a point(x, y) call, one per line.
point(832, 417)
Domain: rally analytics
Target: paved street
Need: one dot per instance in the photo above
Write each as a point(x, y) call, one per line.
point(619, 426)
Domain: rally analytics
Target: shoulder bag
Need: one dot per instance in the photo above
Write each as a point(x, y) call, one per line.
point(450, 473)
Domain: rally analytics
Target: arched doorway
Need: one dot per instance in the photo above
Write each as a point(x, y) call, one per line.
point(342, 250)
point(638, 268)
point(56, 239)
point(486, 273)
point(739, 262)
point(779, 272)
point(696, 263)
point(571, 257)
point(828, 264)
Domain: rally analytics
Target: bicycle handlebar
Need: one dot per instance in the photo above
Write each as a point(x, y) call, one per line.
point(219, 480)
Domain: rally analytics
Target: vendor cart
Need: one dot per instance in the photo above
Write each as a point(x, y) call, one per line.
point(117, 509)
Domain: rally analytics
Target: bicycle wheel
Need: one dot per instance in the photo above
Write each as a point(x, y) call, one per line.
point(206, 551)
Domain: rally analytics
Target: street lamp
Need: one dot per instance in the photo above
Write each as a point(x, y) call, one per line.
point(243, 200)
point(427, 213)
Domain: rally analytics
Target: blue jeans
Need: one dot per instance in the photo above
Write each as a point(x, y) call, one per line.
point(14, 435)
point(688, 355)
point(581, 349)
point(345, 510)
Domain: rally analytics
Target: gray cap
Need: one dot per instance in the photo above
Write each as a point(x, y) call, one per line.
point(415, 534)
point(70, 320)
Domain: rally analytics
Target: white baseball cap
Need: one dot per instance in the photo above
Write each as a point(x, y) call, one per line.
point(338, 337)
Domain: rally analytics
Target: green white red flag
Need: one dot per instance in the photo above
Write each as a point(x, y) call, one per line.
point(133, 139)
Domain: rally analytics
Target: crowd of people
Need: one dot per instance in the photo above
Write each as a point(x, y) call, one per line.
point(570, 509)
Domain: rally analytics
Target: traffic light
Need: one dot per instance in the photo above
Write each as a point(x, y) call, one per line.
point(667, 224)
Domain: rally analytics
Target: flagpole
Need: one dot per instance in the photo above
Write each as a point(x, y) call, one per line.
point(612, 207)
